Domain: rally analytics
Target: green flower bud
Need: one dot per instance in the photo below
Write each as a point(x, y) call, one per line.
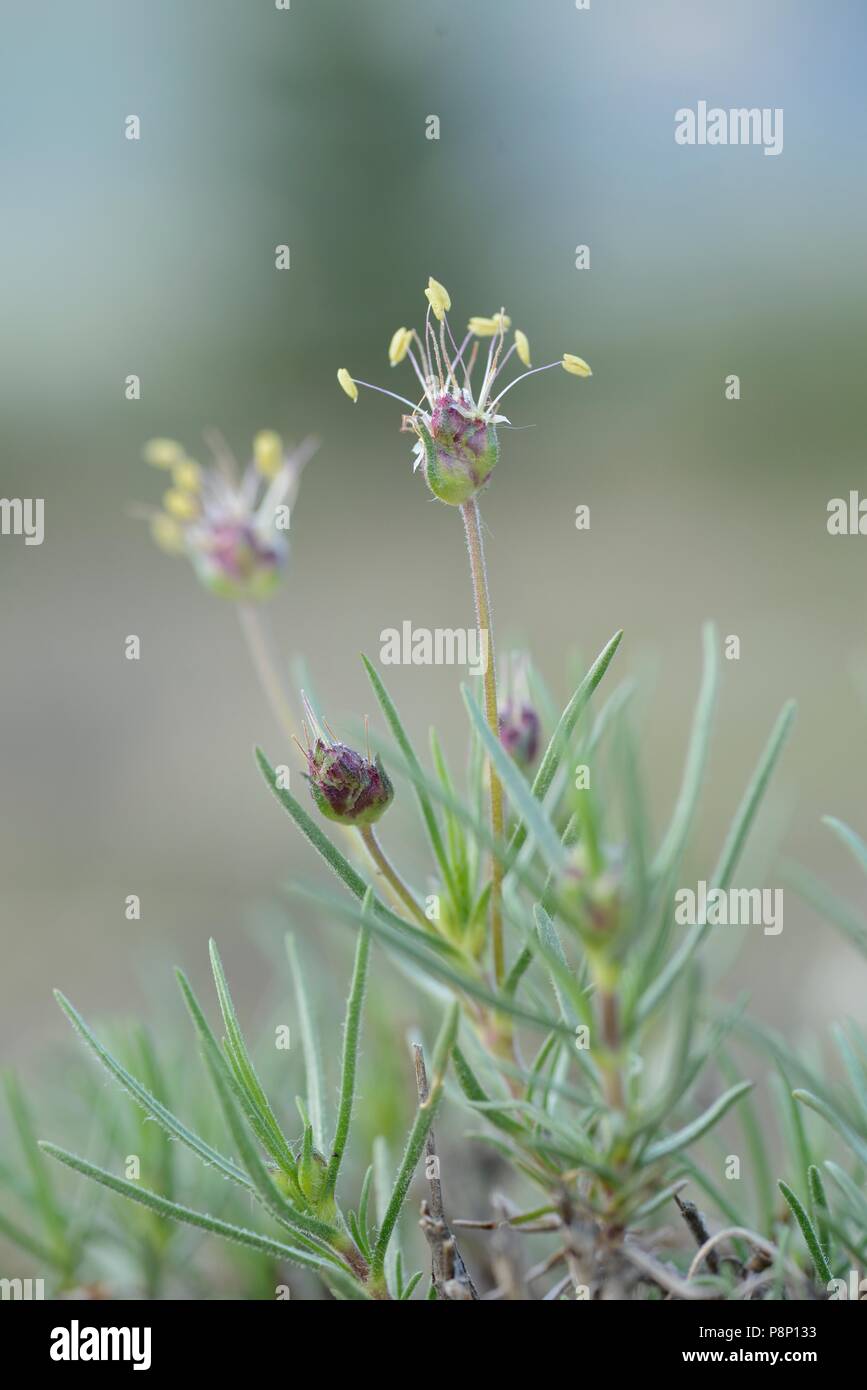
point(459, 450)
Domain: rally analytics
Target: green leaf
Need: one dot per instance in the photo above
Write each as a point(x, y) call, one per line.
point(746, 812)
point(728, 860)
point(320, 841)
point(149, 1103)
point(853, 1065)
point(663, 1148)
point(560, 738)
point(406, 945)
point(857, 1199)
point(417, 1136)
point(410, 1285)
point(819, 1203)
point(402, 740)
point(755, 1137)
point(351, 1039)
point(266, 1189)
point(457, 839)
point(163, 1207)
point(523, 802)
point(382, 1170)
point(696, 759)
point(823, 1270)
point(240, 1059)
point(853, 842)
point(232, 1096)
point(828, 905)
point(310, 1046)
point(44, 1196)
point(836, 1121)
point(475, 1092)
point(792, 1121)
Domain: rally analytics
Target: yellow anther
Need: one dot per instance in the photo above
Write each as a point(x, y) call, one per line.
point(268, 453)
point(347, 384)
point(576, 365)
point(183, 506)
point(438, 298)
point(163, 453)
point(399, 345)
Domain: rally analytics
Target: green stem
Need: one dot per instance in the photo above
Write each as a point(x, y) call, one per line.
point(390, 874)
point(472, 525)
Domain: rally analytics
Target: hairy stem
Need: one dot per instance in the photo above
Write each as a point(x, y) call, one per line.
point(610, 1020)
point(472, 525)
point(260, 649)
point(393, 878)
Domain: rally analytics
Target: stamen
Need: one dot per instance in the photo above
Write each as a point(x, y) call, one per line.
point(422, 352)
point(417, 370)
point(535, 371)
point(383, 392)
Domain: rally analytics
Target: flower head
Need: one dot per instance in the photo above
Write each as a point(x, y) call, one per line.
point(454, 421)
point(346, 786)
point(233, 529)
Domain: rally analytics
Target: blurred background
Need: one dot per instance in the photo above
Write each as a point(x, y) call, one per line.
point(306, 127)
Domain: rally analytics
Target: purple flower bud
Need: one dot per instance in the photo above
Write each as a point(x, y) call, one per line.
point(235, 559)
point(520, 729)
point(347, 787)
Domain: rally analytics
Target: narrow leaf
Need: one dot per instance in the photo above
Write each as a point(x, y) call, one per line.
point(663, 1148)
point(560, 738)
point(351, 1039)
point(310, 1046)
point(696, 759)
point(149, 1103)
point(163, 1207)
point(823, 1270)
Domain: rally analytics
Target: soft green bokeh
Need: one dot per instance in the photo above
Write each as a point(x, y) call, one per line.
point(307, 127)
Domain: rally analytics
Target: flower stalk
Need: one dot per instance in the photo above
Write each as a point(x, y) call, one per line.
point(472, 526)
point(390, 874)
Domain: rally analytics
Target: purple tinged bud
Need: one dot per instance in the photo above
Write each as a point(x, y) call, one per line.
point(232, 558)
point(347, 787)
point(460, 448)
point(520, 731)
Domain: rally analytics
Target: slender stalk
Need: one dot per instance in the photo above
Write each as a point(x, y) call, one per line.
point(393, 878)
point(260, 649)
point(472, 525)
